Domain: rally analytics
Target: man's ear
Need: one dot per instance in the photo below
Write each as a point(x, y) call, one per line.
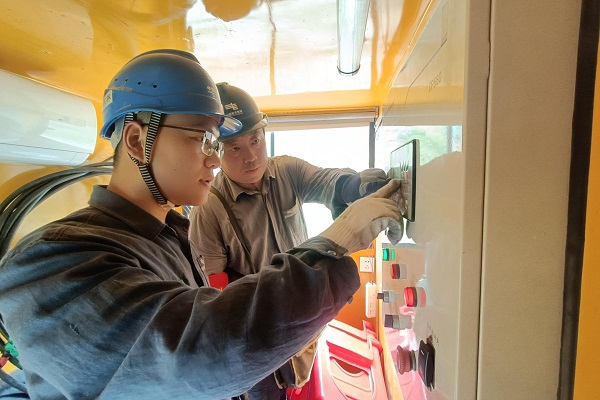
point(133, 139)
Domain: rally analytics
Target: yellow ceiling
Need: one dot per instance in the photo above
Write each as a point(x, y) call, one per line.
point(284, 52)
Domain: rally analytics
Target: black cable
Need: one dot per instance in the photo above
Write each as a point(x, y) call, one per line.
point(44, 179)
point(13, 213)
point(19, 207)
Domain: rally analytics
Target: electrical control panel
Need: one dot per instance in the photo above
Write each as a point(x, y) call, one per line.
point(428, 283)
point(446, 325)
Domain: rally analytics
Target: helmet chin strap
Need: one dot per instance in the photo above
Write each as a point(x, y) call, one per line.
point(144, 167)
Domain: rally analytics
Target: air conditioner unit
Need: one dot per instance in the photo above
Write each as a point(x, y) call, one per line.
point(42, 125)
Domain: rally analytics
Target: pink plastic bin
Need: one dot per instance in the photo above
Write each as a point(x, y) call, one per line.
point(347, 366)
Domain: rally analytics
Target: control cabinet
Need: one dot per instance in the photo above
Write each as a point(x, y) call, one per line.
point(428, 284)
point(488, 221)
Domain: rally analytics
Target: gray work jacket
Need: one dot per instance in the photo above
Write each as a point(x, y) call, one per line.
point(105, 303)
point(271, 221)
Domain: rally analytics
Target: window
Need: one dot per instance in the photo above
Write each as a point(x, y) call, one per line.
point(327, 148)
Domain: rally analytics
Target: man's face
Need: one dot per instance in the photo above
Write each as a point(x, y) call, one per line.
point(181, 169)
point(245, 158)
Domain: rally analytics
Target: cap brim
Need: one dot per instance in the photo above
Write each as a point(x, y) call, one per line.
point(229, 126)
point(260, 124)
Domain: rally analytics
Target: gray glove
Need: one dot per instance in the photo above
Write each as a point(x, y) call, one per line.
point(364, 183)
point(395, 231)
point(362, 221)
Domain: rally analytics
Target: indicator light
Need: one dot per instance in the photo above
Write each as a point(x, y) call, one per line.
point(385, 254)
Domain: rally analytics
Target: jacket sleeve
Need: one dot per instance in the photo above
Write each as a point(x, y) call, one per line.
point(106, 322)
point(313, 184)
point(258, 322)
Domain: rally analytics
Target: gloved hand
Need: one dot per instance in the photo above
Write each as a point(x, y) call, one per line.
point(364, 183)
point(362, 221)
point(395, 231)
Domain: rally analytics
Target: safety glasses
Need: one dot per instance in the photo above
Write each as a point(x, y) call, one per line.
point(210, 144)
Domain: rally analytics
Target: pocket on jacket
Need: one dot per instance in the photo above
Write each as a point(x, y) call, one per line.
point(295, 223)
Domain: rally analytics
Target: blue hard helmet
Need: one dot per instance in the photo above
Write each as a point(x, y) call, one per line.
point(239, 104)
point(167, 81)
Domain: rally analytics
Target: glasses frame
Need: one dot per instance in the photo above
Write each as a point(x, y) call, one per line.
point(213, 146)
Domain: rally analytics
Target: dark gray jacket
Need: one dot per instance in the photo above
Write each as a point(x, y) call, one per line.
point(107, 303)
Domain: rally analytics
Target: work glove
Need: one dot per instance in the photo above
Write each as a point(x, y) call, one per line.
point(350, 188)
point(395, 231)
point(361, 184)
point(362, 221)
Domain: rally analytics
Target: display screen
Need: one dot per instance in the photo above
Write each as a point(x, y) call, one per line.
point(403, 166)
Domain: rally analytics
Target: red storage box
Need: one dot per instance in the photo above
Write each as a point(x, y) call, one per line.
point(347, 367)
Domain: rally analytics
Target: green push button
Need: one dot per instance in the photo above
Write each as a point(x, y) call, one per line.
point(385, 255)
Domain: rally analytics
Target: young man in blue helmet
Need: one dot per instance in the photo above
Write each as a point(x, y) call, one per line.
point(263, 196)
point(110, 303)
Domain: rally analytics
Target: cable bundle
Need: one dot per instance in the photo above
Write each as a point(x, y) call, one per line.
point(18, 204)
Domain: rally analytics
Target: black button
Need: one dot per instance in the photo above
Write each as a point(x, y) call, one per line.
point(426, 363)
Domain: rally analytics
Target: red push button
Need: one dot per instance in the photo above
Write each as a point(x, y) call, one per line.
point(414, 296)
point(405, 360)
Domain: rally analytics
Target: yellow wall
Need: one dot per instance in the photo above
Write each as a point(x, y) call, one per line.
point(78, 46)
point(588, 352)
